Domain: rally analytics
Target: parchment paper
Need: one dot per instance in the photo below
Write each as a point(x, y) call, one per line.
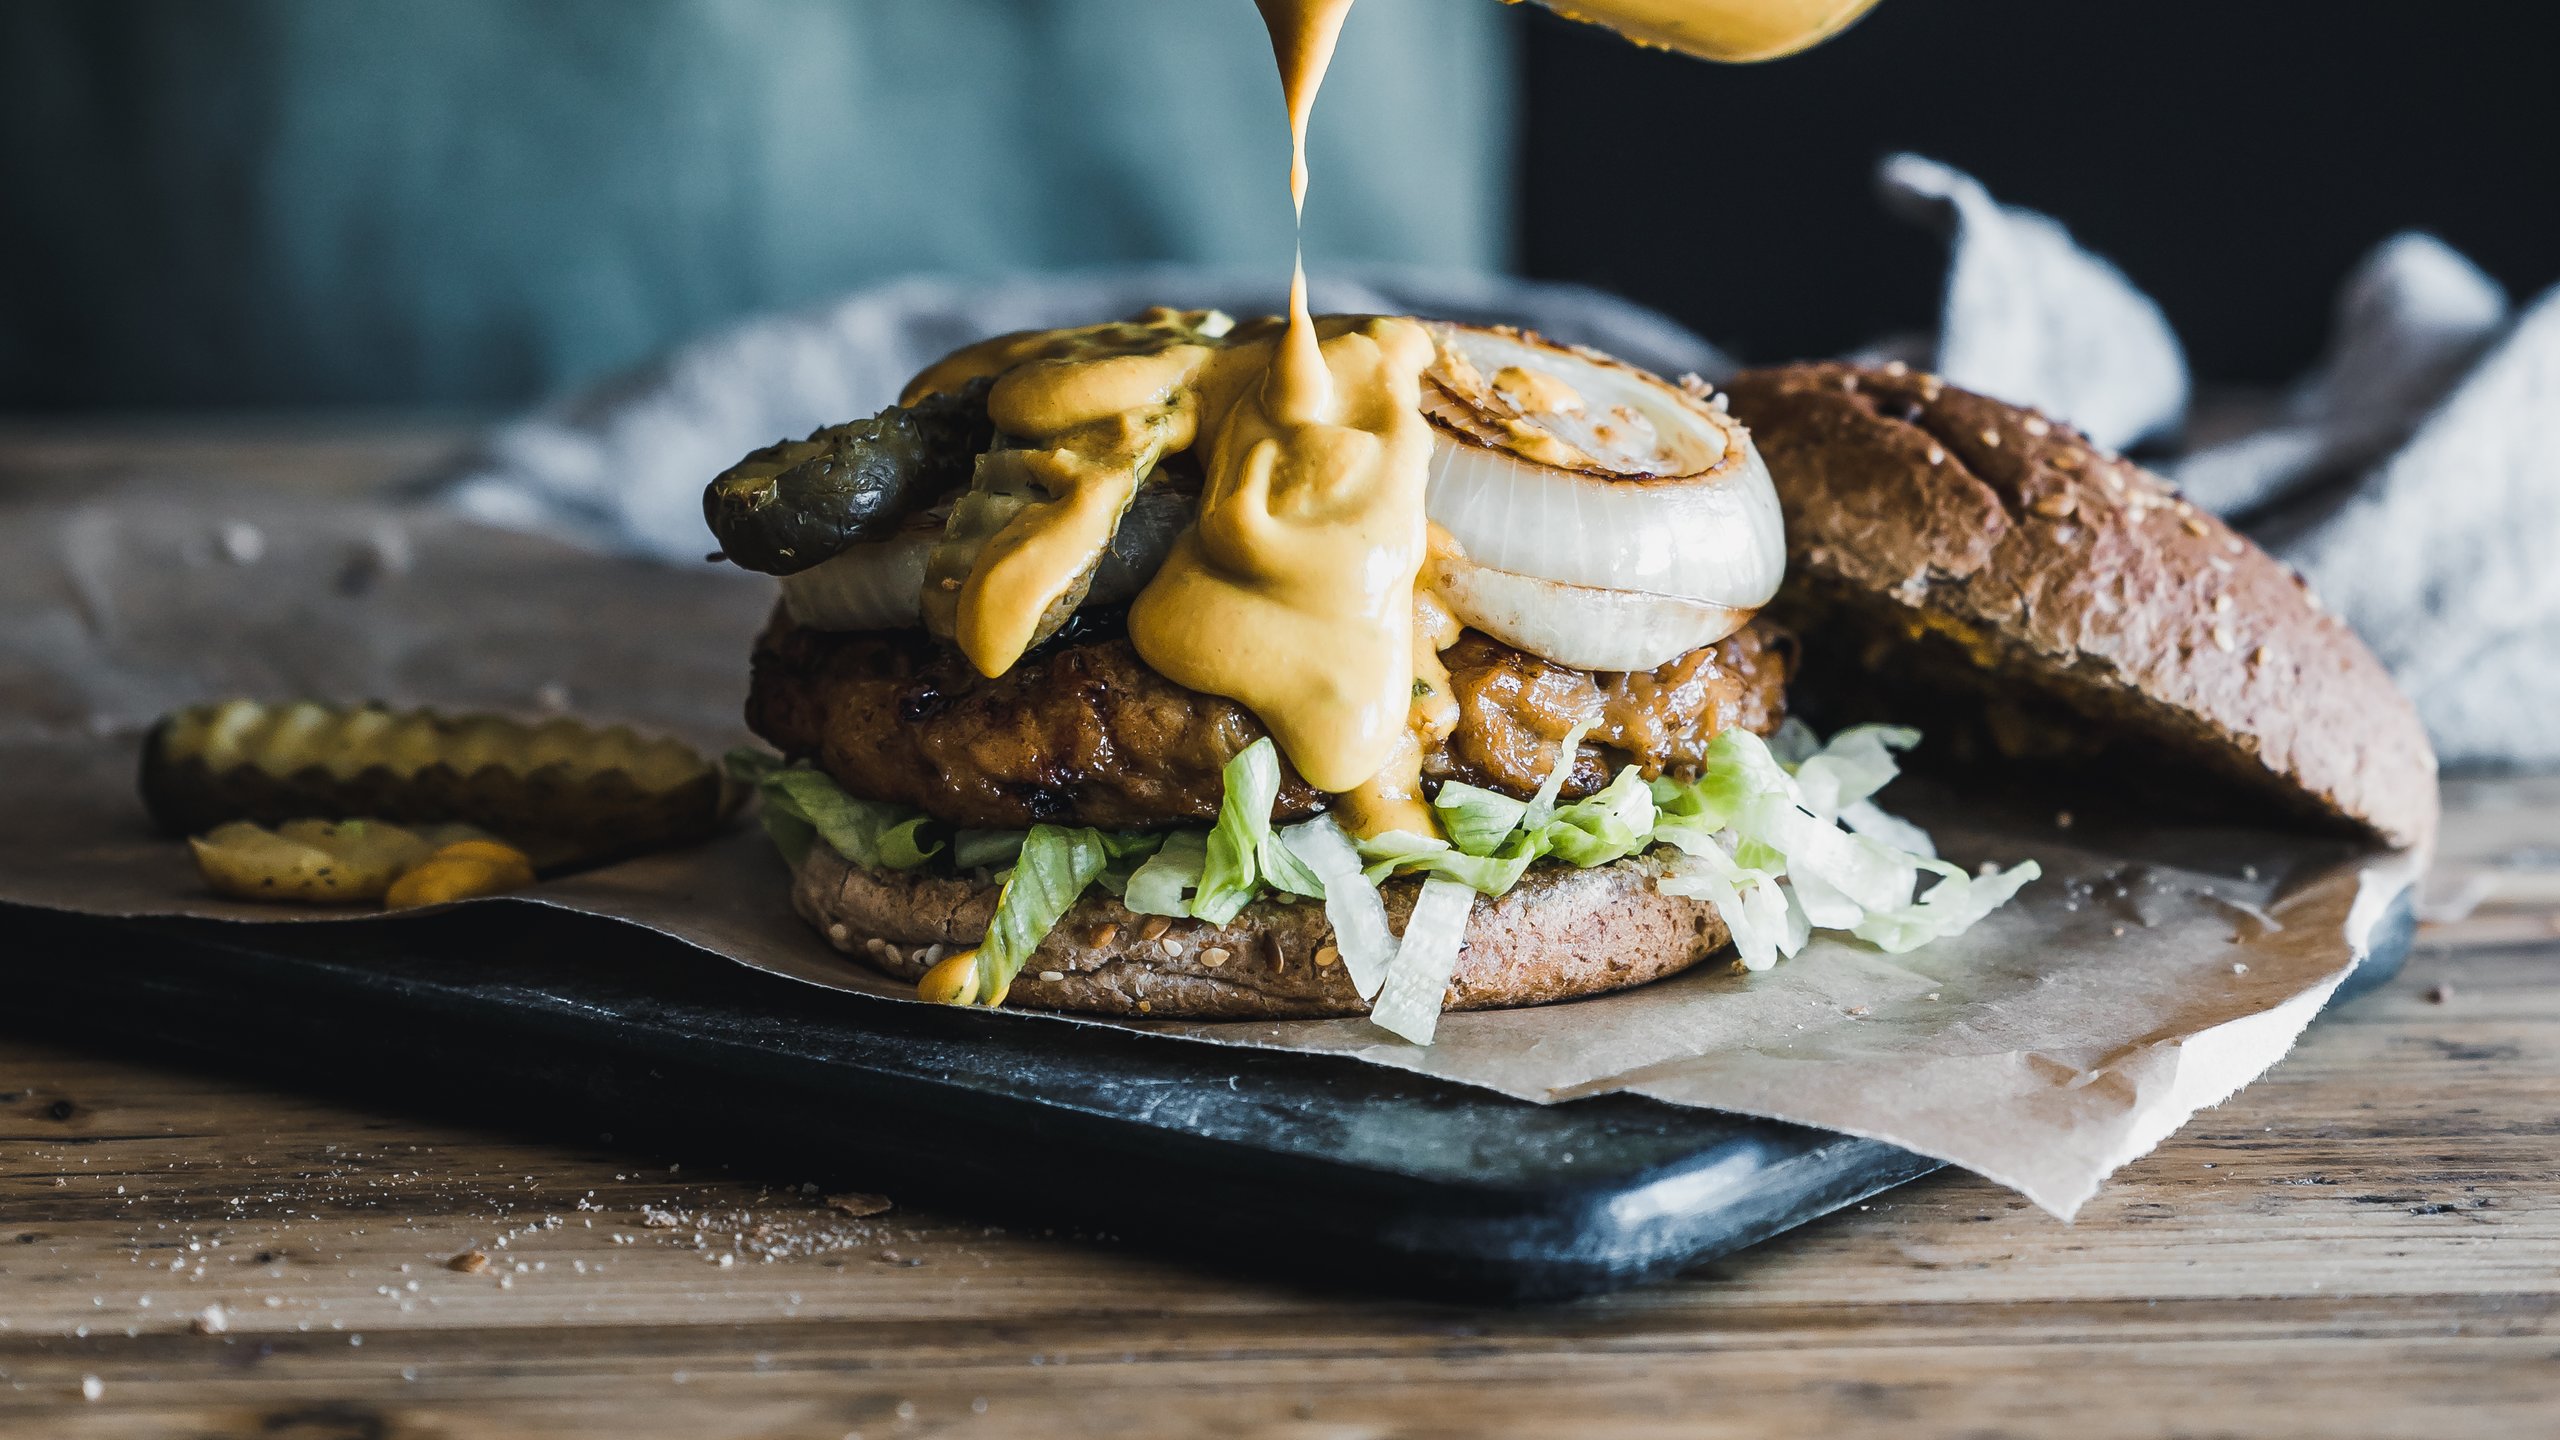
point(2149, 975)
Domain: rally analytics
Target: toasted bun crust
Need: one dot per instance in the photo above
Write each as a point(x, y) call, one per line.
point(1942, 541)
point(1559, 934)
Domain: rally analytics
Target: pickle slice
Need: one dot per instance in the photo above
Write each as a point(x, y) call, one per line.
point(317, 862)
point(794, 503)
point(564, 792)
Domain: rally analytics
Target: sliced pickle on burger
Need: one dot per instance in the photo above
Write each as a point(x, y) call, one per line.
point(883, 586)
point(1603, 518)
point(1038, 527)
point(792, 505)
point(1001, 490)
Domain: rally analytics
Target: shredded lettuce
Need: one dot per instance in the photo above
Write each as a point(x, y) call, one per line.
point(1759, 834)
point(1494, 839)
point(1351, 901)
point(1764, 918)
point(1055, 866)
point(1794, 742)
point(1401, 852)
point(1478, 820)
point(1129, 849)
point(1408, 1004)
point(1782, 836)
point(1750, 823)
point(1856, 764)
point(1234, 860)
point(1162, 886)
point(985, 849)
point(1950, 908)
point(802, 804)
point(1214, 875)
point(1542, 805)
point(1610, 825)
point(1284, 870)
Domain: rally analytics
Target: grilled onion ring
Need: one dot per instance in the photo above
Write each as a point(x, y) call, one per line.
point(1578, 625)
point(1563, 465)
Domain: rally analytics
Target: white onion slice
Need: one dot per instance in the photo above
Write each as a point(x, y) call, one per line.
point(1648, 489)
point(1580, 625)
point(1715, 538)
point(879, 586)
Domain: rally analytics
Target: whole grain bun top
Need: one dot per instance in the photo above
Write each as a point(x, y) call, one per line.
point(1951, 551)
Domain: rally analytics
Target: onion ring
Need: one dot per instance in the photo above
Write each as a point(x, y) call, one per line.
point(1577, 625)
point(1632, 484)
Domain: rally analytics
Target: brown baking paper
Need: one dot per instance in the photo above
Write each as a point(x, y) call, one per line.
point(2149, 974)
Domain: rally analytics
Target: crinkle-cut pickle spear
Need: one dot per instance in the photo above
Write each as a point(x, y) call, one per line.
point(565, 792)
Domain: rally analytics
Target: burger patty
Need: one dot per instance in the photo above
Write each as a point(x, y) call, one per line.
point(1082, 732)
point(1514, 709)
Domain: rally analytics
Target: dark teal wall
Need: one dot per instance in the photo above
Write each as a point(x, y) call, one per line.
point(481, 201)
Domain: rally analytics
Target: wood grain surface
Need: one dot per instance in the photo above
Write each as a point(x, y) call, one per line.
point(2364, 1243)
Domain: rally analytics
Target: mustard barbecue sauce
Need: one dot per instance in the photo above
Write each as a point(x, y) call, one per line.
point(1294, 591)
point(1735, 31)
point(1311, 528)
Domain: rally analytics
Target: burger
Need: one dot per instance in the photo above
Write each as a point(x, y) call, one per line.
point(1181, 668)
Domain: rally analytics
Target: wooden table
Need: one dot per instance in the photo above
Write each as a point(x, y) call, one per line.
point(2366, 1242)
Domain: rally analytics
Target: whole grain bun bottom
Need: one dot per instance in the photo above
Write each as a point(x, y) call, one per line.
point(1560, 933)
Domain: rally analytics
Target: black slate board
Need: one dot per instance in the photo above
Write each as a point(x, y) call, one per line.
point(1315, 1168)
